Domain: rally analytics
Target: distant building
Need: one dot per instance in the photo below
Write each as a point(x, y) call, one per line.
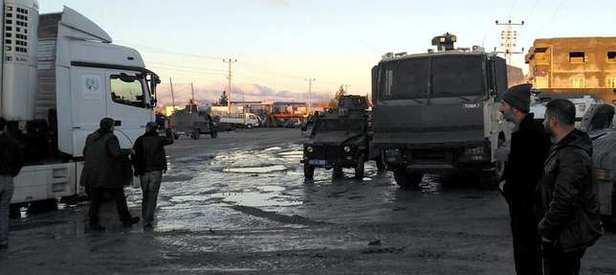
point(582, 65)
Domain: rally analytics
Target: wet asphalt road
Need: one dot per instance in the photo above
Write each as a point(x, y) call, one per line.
point(239, 204)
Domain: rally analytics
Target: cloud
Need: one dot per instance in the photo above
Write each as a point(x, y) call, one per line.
point(250, 92)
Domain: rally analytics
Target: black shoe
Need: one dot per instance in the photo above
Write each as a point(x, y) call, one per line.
point(96, 227)
point(130, 221)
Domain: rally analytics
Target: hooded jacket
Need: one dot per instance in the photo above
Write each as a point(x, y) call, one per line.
point(568, 204)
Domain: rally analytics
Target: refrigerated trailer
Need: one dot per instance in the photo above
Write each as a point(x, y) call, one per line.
point(60, 75)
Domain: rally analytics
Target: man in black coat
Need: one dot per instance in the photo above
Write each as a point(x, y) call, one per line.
point(104, 172)
point(568, 204)
point(523, 170)
point(10, 164)
point(150, 163)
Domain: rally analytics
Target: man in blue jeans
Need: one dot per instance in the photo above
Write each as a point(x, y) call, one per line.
point(150, 163)
point(10, 165)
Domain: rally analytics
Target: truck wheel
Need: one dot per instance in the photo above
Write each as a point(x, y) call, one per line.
point(37, 207)
point(488, 179)
point(380, 163)
point(14, 211)
point(405, 179)
point(176, 136)
point(196, 134)
point(359, 167)
point(337, 173)
point(308, 171)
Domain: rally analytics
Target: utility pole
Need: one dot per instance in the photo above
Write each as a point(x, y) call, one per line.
point(310, 80)
point(509, 39)
point(229, 61)
point(192, 100)
point(172, 96)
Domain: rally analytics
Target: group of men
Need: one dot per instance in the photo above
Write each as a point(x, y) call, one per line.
point(548, 186)
point(107, 170)
point(547, 182)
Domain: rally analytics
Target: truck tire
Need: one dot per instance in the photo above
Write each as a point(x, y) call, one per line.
point(359, 167)
point(176, 136)
point(488, 179)
point(405, 179)
point(308, 171)
point(196, 134)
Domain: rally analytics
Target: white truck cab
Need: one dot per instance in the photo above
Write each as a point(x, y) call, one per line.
point(61, 74)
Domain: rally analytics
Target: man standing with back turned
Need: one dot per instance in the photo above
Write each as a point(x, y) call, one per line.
point(150, 163)
point(568, 204)
point(529, 147)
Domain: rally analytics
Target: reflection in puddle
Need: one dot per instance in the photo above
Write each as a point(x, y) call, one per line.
point(430, 184)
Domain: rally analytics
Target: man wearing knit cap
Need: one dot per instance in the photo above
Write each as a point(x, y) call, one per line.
point(523, 170)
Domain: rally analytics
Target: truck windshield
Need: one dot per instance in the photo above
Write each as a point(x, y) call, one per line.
point(331, 125)
point(450, 76)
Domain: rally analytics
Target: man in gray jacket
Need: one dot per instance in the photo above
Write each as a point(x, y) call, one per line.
point(568, 206)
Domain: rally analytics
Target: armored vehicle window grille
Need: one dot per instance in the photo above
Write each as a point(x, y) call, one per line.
point(127, 90)
point(405, 79)
point(457, 76)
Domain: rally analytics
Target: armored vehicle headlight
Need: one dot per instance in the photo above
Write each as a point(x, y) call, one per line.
point(309, 149)
point(347, 149)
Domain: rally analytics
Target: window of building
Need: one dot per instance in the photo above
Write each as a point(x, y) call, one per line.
point(577, 57)
point(611, 82)
point(128, 90)
point(611, 56)
point(578, 82)
point(540, 82)
point(541, 56)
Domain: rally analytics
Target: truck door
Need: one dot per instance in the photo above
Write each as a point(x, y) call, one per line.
point(128, 104)
point(88, 102)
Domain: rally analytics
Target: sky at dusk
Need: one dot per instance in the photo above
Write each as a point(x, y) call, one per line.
point(280, 43)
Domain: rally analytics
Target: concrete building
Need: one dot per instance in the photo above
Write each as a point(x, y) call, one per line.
point(580, 65)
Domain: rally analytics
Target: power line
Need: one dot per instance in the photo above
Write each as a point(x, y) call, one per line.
point(168, 51)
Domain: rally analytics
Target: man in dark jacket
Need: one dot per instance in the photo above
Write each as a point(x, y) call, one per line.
point(150, 163)
point(103, 172)
point(529, 147)
point(568, 205)
point(10, 165)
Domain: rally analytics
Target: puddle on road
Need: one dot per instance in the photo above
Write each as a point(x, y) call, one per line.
point(256, 170)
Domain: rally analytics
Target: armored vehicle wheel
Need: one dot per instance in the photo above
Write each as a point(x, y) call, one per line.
point(405, 179)
point(308, 171)
point(337, 172)
point(359, 167)
point(488, 179)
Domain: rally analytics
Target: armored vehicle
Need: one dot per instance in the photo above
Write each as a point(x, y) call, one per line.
point(192, 123)
point(339, 139)
point(438, 112)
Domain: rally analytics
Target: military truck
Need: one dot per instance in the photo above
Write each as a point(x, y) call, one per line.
point(438, 112)
point(339, 139)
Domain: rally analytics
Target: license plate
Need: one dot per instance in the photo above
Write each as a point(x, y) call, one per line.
point(317, 162)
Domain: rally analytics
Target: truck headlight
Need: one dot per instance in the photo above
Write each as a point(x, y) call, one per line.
point(309, 149)
point(347, 149)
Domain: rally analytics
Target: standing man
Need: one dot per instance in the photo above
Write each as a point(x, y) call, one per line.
point(10, 165)
point(568, 205)
point(103, 173)
point(529, 147)
point(150, 164)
